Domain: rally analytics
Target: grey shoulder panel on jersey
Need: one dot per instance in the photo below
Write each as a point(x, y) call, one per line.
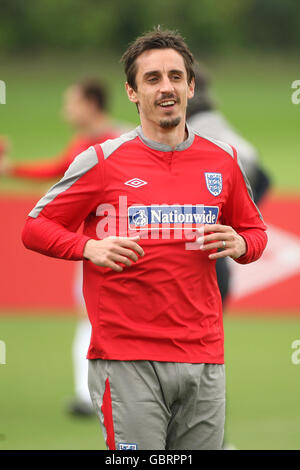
point(226, 147)
point(84, 162)
point(248, 185)
point(111, 145)
point(245, 177)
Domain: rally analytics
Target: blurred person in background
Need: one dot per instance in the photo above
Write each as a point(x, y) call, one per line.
point(205, 118)
point(85, 108)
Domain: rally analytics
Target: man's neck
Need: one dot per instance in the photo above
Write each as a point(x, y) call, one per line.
point(171, 137)
point(96, 127)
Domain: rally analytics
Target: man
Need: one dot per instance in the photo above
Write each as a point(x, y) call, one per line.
point(204, 117)
point(85, 108)
point(156, 362)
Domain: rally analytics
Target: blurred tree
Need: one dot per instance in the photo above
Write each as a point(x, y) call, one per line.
point(272, 24)
point(208, 25)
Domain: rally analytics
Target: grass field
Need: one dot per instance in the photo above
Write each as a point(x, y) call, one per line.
point(35, 383)
point(262, 385)
point(262, 382)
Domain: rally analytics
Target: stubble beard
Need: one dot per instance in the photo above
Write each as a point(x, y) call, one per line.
point(170, 123)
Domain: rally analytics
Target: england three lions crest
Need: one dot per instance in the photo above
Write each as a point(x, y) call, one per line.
point(214, 183)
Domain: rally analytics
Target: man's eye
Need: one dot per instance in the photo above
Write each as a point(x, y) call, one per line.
point(152, 79)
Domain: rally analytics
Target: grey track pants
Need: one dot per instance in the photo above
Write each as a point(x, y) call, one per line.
point(159, 405)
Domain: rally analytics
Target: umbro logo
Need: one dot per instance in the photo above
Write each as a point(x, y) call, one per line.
point(135, 182)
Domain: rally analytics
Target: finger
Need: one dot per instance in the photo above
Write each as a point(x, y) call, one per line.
point(128, 253)
point(132, 245)
point(220, 254)
point(128, 242)
point(215, 245)
point(215, 237)
point(121, 259)
point(216, 228)
point(132, 237)
point(115, 267)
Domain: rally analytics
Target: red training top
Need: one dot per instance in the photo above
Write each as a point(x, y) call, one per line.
point(167, 305)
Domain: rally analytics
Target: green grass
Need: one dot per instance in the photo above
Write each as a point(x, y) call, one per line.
point(253, 92)
point(35, 384)
point(262, 385)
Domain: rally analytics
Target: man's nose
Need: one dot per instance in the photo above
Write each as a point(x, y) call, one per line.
point(166, 85)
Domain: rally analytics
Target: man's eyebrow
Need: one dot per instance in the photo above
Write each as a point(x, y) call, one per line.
point(152, 72)
point(179, 72)
point(157, 72)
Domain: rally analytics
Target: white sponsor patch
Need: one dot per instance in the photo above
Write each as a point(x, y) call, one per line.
point(173, 216)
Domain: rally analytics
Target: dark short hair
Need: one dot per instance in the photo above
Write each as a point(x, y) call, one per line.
point(94, 90)
point(156, 39)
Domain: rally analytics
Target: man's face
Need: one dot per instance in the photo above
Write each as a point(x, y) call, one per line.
point(162, 89)
point(76, 108)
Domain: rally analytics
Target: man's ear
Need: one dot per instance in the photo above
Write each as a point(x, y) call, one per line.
point(131, 93)
point(191, 89)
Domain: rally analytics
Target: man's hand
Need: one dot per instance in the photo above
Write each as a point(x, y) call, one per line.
point(224, 237)
point(112, 250)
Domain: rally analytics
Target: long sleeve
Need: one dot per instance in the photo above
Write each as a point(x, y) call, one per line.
point(51, 239)
point(50, 227)
point(242, 214)
point(54, 167)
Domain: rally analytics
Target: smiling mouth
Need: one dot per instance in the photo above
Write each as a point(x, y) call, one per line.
point(167, 104)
